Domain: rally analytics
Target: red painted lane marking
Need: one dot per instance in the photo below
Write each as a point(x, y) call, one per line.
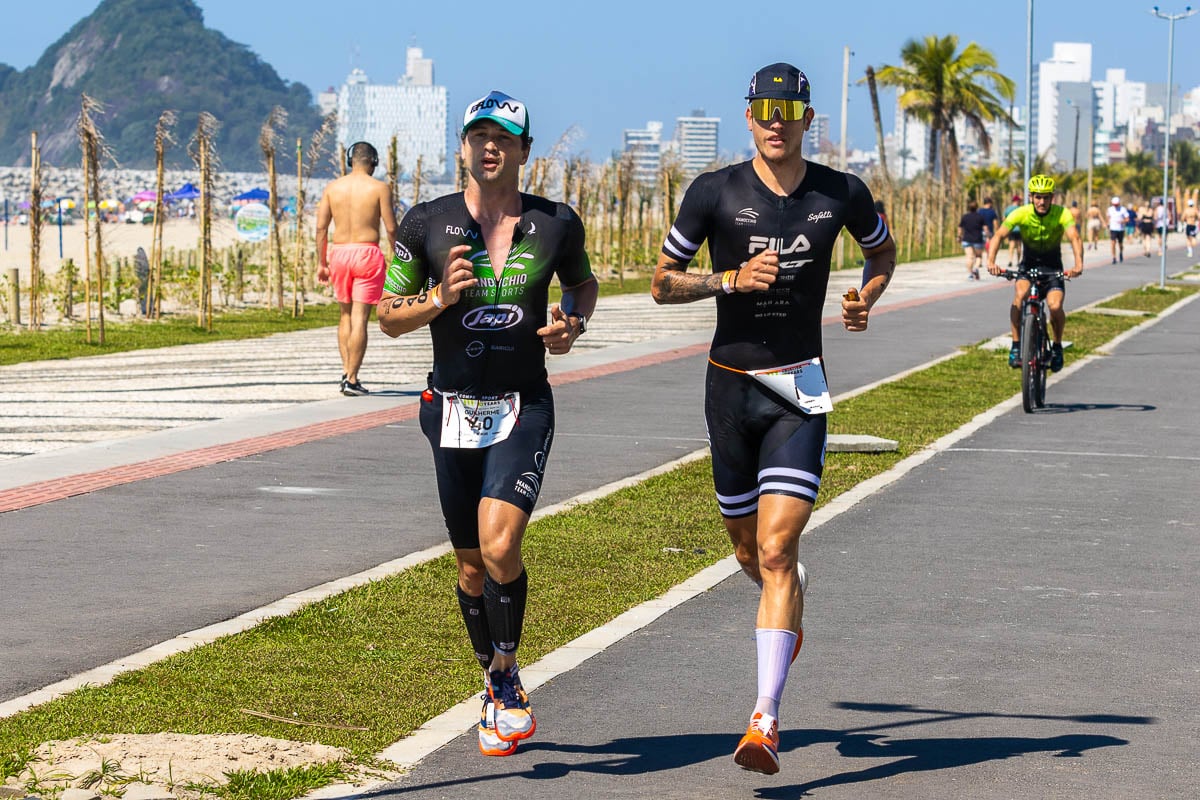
point(34, 494)
point(48, 491)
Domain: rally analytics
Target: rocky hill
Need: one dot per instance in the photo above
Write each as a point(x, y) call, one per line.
point(138, 58)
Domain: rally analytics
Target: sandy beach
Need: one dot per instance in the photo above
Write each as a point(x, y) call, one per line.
point(119, 240)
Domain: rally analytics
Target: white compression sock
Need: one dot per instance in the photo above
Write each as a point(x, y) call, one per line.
point(775, 649)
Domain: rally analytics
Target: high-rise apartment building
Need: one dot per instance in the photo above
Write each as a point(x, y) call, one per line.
point(645, 147)
point(816, 138)
point(1070, 62)
point(696, 141)
point(1118, 100)
point(413, 109)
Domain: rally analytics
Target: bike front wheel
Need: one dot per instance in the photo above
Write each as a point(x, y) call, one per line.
point(1032, 375)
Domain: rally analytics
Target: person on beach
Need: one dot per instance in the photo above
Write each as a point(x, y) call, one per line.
point(771, 224)
point(476, 267)
point(356, 204)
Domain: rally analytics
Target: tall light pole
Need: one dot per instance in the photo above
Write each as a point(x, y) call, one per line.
point(1028, 96)
point(1075, 155)
point(1171, 18)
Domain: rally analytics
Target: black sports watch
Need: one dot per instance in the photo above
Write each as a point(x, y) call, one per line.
point(582, 323)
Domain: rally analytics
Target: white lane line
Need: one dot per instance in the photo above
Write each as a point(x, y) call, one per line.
point(1079, 453)
point(103, 674)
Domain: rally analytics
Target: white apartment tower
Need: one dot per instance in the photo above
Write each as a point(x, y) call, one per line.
point(413, 109)
point(696, 140)
point(817, 134)
point(1070, 62)
point(645, 145)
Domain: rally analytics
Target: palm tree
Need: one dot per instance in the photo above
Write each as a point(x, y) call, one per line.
point(940, 85)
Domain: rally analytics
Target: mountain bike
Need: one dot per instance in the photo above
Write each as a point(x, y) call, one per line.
point(1035, 334)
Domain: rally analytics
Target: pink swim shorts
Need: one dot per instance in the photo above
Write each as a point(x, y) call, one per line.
point(356, 272)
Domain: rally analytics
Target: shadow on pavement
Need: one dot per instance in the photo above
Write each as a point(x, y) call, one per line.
point(1070, 408)
point(644, 754)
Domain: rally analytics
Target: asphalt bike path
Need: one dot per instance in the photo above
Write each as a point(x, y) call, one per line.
point(1014, 617)
point(92, 578)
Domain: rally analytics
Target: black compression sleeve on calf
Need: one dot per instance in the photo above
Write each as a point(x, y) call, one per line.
point(505, 603)
point(476, 619)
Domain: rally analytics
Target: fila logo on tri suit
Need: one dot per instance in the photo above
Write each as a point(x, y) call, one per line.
point(492, 318)
point(799, 245)
point(747, 216)
point(455, 230)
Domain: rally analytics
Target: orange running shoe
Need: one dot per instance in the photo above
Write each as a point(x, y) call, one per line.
point(758, 751)
point(489, 743)
point(514, 717)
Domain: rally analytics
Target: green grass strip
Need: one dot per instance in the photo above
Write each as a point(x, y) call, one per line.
point(21, 346)
point(390, 655)
point(17, 347)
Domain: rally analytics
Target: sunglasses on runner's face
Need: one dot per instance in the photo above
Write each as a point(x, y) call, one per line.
point(1043, 197)
point(764, 109)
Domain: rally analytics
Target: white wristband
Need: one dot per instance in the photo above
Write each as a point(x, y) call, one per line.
point(437, 297)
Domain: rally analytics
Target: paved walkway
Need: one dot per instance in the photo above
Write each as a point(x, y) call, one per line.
point(52, 405)
point(178, 544)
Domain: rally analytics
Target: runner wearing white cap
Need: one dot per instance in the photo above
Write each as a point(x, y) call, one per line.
point(1118, 217)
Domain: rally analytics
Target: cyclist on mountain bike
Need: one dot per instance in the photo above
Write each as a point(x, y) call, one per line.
point(1042, 226)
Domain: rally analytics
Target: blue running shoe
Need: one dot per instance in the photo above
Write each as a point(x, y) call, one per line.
point(1014, 355)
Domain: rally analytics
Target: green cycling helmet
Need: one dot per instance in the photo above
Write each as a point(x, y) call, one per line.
point(1041, 184)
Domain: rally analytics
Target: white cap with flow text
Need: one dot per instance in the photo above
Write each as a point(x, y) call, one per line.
point(506, 111)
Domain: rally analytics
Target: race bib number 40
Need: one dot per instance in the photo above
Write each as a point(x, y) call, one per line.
point(802, 385)
point(475, 422)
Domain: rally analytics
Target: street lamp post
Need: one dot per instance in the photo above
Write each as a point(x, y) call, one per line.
point(1028, 95)
point(1075, 152)
point(1171, 18)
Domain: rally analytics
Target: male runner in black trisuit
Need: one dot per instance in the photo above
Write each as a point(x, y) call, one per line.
point(476, 267)
point(771, 225)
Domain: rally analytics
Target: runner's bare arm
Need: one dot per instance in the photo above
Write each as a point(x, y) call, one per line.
point(324, 215)
point(400, 314)
point(578, 300)
point(879, 263)
point(994, 248)
point(388, 215)
point(672, 283)
point(1077, 249)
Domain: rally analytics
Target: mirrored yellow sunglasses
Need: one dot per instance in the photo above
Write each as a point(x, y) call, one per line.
point(764, 109)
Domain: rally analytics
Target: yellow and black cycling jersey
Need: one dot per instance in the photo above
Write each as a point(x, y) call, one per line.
point(1041, 234)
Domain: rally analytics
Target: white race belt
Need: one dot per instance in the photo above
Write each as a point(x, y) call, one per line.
point(801, 384)
point(470, 422)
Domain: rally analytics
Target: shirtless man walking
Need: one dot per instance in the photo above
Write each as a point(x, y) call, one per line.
point(1190, 219)
point(354, 264)
point(1094, 221)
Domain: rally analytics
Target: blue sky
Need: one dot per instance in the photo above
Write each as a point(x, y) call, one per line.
point(607, 66)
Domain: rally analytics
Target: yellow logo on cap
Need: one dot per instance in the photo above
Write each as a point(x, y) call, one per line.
point(778, 80)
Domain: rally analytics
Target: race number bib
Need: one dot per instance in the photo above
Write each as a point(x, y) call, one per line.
point(474, 422)
point(802, 385)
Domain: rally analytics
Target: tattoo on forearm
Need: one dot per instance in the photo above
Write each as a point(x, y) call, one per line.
point(679, 287)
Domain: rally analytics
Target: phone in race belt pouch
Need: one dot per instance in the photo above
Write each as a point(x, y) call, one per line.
point(801, 384)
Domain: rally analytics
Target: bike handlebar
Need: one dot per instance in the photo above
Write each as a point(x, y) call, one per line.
point(1033, 273)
